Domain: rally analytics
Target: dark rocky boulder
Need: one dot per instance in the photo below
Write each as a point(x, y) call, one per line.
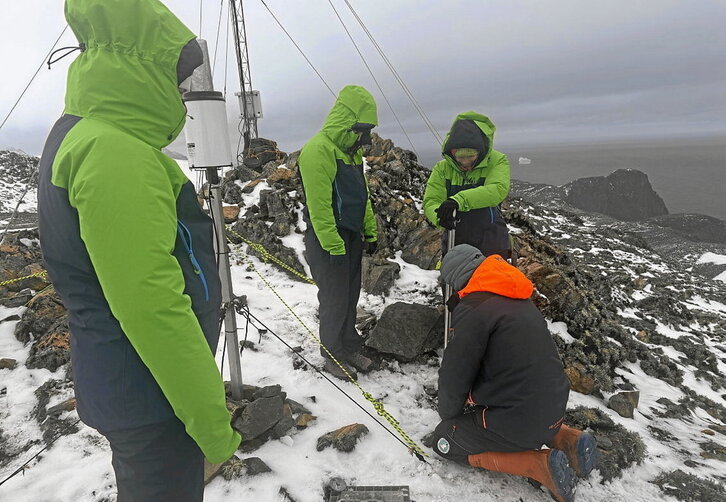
point(53, 349)
point(7, 363)
point(343, 439)
point(625, 194)
point(265, 413)
point(406, 331)
point(42, 313)
point(50, 423)
point(278, 207)
point(624, 403)
point(231, 193)
point(20, 257)
point(396, 182)
point(378, 275)
point(255, 229)
point(265, 150)
point(255, 466)
point(259, 417)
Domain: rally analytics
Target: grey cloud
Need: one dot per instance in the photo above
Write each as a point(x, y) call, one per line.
point(544, 71)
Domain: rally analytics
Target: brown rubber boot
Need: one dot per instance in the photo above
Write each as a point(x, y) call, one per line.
point(548, 467)
point(580, 448)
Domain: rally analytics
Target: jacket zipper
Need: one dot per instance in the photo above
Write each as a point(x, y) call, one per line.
point(184, 232)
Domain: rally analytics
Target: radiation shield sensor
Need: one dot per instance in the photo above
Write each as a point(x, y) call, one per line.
point(206, 133)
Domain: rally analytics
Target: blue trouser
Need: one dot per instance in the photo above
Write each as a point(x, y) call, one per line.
point(157, 463)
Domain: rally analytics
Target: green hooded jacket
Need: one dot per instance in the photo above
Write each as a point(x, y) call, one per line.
point(487, 185)
point(126, 192)
point(336, 191)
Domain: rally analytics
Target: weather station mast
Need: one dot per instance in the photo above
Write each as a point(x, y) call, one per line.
point(209, 152)
point(250, 104)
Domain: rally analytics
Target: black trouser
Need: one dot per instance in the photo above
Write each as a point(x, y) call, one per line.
point(465, 435)
point(338, 291)
point(482, 228)
point(157, 463)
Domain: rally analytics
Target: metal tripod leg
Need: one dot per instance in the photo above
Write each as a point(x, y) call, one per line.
point(447, 313)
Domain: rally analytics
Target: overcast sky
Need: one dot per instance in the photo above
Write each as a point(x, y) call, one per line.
point(545, 71)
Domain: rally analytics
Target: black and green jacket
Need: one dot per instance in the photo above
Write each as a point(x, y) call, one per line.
point(336, 191)
point(124, 240)
point(479, 191)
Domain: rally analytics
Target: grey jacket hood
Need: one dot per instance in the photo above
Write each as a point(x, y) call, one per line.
point(459, 265)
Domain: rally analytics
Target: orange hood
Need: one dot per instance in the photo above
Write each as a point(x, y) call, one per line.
point(497, 276)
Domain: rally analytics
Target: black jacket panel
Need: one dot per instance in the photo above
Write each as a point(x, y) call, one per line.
point(503, 357)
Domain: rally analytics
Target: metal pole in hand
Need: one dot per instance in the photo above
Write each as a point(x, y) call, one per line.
point(447, 313)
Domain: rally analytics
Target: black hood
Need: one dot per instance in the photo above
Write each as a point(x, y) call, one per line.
point(465, 133)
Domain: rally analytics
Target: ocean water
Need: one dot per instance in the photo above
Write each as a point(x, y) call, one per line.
point(690, 176)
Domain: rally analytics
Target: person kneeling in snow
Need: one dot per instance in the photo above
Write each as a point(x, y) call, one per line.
point(502, 386)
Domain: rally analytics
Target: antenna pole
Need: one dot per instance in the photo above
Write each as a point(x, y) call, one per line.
point(250, 110)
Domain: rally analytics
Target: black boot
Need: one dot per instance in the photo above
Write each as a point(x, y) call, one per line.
point(360, 362)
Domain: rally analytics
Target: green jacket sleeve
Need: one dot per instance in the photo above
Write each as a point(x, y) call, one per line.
point(126, 203)
point(494, 190)
point(435, 192)
point(370, 225)
point(318, 168)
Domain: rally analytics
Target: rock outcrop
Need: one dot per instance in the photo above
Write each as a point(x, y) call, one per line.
point(625, 194)
point(406, 331)
point(396, 182)
point(694, 227)
point(265, 413)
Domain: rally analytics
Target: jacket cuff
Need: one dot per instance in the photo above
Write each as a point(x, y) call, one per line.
point(463, 206)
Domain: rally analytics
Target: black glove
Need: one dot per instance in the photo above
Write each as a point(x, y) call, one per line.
point(446, 213)
point(370, 247)
point(338, 259)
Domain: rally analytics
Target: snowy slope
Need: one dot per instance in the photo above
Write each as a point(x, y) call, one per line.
point(16, 169)
point(78, 467)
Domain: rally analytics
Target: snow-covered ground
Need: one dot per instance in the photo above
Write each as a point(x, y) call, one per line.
point(78, 466)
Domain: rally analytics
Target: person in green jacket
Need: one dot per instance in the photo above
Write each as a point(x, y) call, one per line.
point(130, 252)
point(340, 223)
point(466, 187)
